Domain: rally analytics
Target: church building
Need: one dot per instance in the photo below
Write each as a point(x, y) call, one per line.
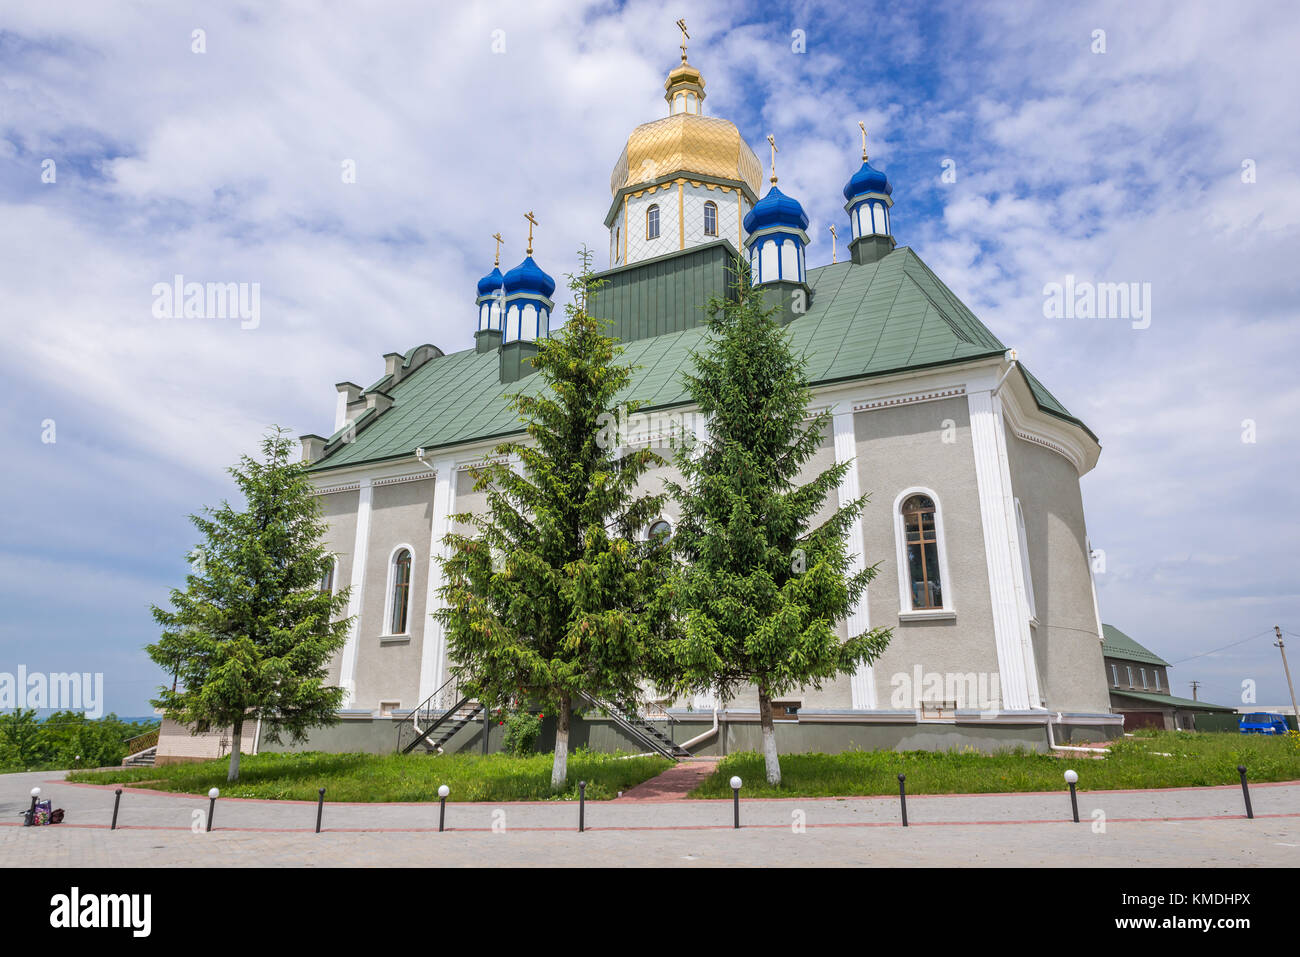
point(975, 515)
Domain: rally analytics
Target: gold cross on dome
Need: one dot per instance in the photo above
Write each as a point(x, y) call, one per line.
point(497, 237)
point(681, 25)
point(864, 140)
point(772, 142)
point(531, 223)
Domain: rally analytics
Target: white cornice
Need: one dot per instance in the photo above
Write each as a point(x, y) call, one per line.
point(1027, 421)
point(908, 398)
point(425, 476)
point(1030, 424)
point(331, 489)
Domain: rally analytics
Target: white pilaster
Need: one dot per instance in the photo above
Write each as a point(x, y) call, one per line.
point(709, 700)
point(984, 430)
point(348, 668)
point(863, 683)
point(1018, 571)
point(433, 653)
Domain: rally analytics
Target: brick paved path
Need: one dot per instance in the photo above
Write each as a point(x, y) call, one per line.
point(673, 784)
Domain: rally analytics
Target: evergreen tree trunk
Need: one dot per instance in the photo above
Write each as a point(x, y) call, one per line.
point(235, 746)
point(560, 768)
point(771, 762)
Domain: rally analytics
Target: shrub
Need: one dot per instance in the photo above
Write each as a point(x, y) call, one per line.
point(522, 731)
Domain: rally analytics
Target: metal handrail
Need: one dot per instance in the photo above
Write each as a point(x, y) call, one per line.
point(429, 713)
point(654, 711)
point(142, 742)
point(622, 720)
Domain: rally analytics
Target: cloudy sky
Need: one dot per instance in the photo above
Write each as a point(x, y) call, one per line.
point(1168, 159)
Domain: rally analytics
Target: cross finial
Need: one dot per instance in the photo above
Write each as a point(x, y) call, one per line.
point(531, 223)
point(772, 142)
point(833, 238)
point(863, 128)
point(681, 25)
point(497, 260)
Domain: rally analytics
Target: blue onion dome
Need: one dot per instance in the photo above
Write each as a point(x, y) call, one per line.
point(489, 284)
point(528, 277)
point(776, 209)
point(867, 179)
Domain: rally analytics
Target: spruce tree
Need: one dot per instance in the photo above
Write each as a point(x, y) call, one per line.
point(547, 593)
point(252, 633)
point(757, 589)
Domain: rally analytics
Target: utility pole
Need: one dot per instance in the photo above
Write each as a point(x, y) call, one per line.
point(1195, 685)
point(1281, 646)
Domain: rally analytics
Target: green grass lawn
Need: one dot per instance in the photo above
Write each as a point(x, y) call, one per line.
point(1196, 759)
point(393, 777)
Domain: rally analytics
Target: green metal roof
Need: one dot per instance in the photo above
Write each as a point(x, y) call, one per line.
point(863, 320)
point(1120, 645)
point(1172, 701)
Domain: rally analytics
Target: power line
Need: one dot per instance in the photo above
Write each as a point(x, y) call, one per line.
point(1266, 631)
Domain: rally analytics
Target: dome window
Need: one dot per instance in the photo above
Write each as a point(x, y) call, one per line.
point(710, 218)
point(652, 222)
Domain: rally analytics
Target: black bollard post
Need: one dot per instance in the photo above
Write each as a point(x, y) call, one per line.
point(1070, 778)
point(117, 799)
point(320, 808)
point(212, 806)
point(902, 797)
point(1245, 791)
point(443, 791)
point(735, 797)
point(582, 806)
point(31, 812)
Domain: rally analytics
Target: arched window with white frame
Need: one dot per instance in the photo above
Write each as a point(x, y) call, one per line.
point(398, 608)
point(652, 222)
point(924, 588)
point(710, 218)
point(660, 530)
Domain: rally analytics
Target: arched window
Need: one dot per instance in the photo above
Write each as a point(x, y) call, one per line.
point(659, 530)
point(710, 218)
point(399, 591)
point(922, 541)
point(923, 587)
point(652, 222)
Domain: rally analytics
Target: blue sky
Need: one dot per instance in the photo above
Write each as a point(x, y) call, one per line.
point(1122, 166)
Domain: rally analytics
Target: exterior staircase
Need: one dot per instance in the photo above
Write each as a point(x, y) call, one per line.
point(640, 728)
point(437, 719)
point(432, 725)
point(141, 759)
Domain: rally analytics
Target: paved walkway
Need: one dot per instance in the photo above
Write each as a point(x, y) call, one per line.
point(1187, 827)
point(674, 783)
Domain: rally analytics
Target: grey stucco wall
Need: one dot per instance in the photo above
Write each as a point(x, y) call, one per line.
point(899, 448)
point(388, 668)
point(737, 733)
point(1067, 652)
point(924, 444)
point(339, 510)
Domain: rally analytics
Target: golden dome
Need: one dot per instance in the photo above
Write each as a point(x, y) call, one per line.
point(689, 144)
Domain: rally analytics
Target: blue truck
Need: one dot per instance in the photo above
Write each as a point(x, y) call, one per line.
point(1263, 722)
